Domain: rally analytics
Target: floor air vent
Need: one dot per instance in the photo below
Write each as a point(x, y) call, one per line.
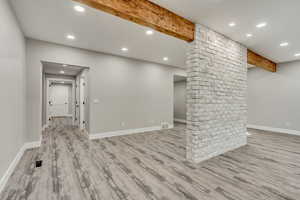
point(38, 163)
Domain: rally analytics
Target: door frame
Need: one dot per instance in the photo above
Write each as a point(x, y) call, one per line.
point(48, 81)
point(82, 102)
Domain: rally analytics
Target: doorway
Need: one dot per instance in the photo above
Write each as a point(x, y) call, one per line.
point(180, 99)
point(65, 95)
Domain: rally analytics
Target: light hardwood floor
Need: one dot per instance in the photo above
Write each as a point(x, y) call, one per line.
point(153, 166)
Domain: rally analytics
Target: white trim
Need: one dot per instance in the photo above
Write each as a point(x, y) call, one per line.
point(11, 168)
point(31, 145)
point(15, 162)
point(277, 130)
point(180, 120)
point(126, 132)
point(82, 99)
point(45, 126)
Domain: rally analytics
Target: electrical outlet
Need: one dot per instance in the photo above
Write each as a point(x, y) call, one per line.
point(287, 124)
point(123, 124)
point(152, 121)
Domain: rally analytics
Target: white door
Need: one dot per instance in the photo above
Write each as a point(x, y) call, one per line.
point(59, 100)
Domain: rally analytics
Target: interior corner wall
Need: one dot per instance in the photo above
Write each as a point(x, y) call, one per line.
point(180, 101)
point(273, 98)
point(136, 92)
point(216, 95)
point(12, 86)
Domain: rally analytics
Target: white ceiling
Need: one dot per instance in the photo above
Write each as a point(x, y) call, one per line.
point(55, 68)
point(282, 17)
point(52, 20)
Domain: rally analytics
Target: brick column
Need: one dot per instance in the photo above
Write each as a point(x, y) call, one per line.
point(216, 95)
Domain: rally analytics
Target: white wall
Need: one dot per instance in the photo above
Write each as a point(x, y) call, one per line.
point(180, 100)
point(12, 86)
point(131, 91)
point(274, 98)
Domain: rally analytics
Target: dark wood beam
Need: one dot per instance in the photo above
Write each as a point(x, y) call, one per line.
point(148, 14)
point(259, 61)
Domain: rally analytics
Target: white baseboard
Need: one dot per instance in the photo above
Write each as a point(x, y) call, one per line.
point(277, 130)
point(15, 162)
point(180, 120)
point(31, 145)
point(126, 132)
point(11, 168)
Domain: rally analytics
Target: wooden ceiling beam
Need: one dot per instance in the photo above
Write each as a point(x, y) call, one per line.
point(148, 14)
point(259, 61)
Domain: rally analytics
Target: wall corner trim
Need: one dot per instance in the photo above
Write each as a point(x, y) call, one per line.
point(16, 160)
point(277, 130)
point(44, 127)
point(96, 136)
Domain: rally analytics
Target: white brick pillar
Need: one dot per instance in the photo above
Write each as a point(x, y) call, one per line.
point(216, 95)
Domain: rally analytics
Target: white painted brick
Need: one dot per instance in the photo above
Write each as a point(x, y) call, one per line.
point(216, 95)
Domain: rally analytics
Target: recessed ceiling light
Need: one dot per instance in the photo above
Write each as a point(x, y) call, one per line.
point(231, 24)
point(79, 8)
point(165, 58)
point(124, 49)
point(63, 82)
point(64, 65)
point(71, 37)
point(62, 72)
point(260, 25)
point(249, 35)
point(149, 32)
point(284, 44)
point(297, 54)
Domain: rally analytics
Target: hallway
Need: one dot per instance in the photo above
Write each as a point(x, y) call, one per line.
point(153, 166)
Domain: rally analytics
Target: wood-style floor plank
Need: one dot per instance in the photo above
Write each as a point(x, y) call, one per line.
point(153, 166)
